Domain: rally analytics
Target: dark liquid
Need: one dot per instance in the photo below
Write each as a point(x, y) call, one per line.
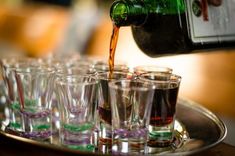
point(105, 115)
point(105, 108)
point(112, 48)
point(163, 108)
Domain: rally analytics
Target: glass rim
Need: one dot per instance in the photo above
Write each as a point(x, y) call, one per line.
point(152, 68)
point(76, 62)
point(13, 62)
point(41, 69)
point(147, 86)
point(105, 75)
point(172, 78)
point(84, 71)
point(64, 80)
point(117, 67)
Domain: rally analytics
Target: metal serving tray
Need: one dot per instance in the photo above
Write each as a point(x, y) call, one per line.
point(196, 127)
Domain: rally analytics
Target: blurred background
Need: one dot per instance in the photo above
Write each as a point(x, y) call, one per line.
point(44, 28)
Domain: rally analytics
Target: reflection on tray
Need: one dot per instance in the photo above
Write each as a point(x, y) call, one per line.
point(196, 129)
point(188, 138)
point(180, 140)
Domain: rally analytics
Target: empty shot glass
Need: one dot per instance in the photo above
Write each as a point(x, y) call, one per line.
point(161, 126)
point(8, 66)
point(15, 118)
point(131, 102)
point(62, 72)
point(34, 84)
point(77, 106)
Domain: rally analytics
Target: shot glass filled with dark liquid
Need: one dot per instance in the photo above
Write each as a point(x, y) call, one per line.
point(104, 106)
point(161, 126)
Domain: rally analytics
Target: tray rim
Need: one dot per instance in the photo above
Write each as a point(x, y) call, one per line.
point(209, 114)
point(183, 101)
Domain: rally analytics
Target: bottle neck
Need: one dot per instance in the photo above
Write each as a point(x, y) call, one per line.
point(128, 12)
point(135, 12)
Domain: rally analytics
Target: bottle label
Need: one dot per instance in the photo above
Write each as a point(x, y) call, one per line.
point(209, 23)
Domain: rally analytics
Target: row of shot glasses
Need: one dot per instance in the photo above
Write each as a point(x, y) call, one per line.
point(86, 108)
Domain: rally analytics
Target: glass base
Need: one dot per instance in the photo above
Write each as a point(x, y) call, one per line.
point(78, 136)
point(16, 126)
point(105, 134)
point(161, 136)
point(38, 135)
point(83, 148)
point(129, 146)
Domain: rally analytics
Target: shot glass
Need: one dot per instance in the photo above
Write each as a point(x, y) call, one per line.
point(8, 66)
point(60, 73)
point(161, 126)
point(15, 119)
point(104, 108)
point(75, 70)
point(131, 102)
point(34, 84)
point(77, 106)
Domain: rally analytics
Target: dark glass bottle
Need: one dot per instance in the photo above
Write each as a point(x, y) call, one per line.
point(164, 27)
